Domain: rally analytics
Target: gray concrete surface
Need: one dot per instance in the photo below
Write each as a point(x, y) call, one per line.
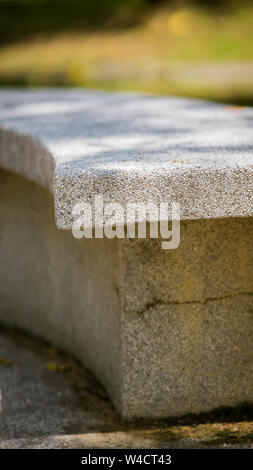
point(42, 407)
point(166, 332)
point(130, 147)
point(58, 288)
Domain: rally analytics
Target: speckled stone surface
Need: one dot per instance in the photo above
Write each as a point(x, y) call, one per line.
point(130, 147)
point(187, 322)
point(167, 332)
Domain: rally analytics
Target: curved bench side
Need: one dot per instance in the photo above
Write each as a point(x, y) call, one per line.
point(27, 157)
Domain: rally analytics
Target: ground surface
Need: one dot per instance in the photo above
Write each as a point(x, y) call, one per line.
point(49, 401)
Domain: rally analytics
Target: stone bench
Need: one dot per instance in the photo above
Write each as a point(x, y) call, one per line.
point(167, 331)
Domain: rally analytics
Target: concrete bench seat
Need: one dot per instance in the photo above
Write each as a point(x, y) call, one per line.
point(168, 332)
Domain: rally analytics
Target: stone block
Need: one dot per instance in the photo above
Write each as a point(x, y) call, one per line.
point(167, 332)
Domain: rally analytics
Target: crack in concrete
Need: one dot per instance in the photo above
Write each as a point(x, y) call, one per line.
point(157, 302)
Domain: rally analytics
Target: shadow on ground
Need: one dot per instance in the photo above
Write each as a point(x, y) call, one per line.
point(48, 400)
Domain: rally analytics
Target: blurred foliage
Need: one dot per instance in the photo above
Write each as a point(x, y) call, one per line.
point(200, 48)
point(21, 18)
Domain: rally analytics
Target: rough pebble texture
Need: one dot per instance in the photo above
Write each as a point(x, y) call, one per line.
point(187, 320)
point(168, 332)
point(130, 148)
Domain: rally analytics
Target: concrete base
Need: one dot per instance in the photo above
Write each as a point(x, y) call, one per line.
point(167, 332)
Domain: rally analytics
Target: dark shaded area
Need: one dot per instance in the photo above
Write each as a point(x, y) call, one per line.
point(25, 18)
point(95, 398)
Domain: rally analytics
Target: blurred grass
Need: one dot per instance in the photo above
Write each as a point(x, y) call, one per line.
point(186, 51)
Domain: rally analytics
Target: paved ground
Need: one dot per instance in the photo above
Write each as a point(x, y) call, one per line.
point(49, 401)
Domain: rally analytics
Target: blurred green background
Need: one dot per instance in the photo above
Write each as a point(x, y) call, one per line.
point(196, 48)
